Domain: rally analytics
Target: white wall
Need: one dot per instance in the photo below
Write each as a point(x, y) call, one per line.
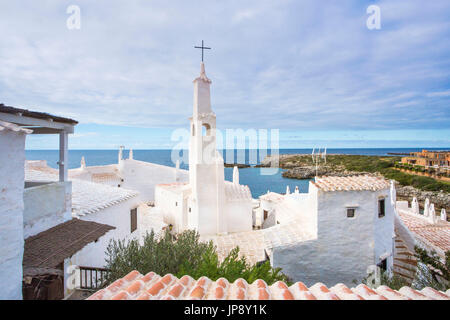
point(45, 206)
point(93, 255)
point(144, 176)
point(239, 215)
point(345, 247)
point(12, 161)
point(173, 207)
point(209, 194)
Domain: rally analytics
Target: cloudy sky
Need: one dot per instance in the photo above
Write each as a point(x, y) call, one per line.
point(309, 68)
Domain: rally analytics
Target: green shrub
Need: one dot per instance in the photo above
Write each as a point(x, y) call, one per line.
point(183, 255)
point(231, 268)
point(438, 276)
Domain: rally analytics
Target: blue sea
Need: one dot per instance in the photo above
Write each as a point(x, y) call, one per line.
point(258, 182)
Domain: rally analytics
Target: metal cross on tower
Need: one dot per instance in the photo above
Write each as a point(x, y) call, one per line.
point(203, 48)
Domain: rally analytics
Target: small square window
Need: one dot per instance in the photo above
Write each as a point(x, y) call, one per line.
point(351, 212)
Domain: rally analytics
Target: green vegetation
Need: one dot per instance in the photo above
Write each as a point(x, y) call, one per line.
point(419, 182)
point(431, 271)
point(391, 280)
point(372, 164)
point(183, 255)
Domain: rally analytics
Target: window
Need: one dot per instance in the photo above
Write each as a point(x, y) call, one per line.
point(266, 213)
point(133, 217)
point(381, 208)
point(189, 209)
point(351, 212)
point(176, 204)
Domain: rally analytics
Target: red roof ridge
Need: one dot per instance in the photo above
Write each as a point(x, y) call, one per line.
point(135, 286)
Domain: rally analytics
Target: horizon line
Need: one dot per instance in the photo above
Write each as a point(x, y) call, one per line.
point(328, 148)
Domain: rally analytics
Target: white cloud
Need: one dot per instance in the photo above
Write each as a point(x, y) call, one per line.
point(439, 94)
point(280, 64)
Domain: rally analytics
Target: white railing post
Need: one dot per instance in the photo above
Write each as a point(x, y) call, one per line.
point(63, 156)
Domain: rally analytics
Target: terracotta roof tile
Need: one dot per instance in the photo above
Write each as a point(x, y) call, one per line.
point(351, 183)
point(436, 236)
point(50, 247)
point(135, 286)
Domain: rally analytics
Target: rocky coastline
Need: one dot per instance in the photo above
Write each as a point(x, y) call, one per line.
point(309, 172)
point(239, 165)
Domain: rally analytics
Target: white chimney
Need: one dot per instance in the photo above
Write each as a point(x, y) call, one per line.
point(443, 215)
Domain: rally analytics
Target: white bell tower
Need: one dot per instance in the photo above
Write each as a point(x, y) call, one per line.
point(206, 169)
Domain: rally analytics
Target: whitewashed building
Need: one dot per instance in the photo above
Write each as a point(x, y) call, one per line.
point(130, 174)
point(352, 220)
point(332, 234)
point(33, 211)
point(208, 203)
point(49, 223)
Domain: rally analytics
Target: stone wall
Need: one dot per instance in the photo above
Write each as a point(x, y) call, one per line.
point(440, 199)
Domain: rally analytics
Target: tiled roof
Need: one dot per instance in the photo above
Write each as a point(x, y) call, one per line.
point(13, 127)
point(237, 191)
point(34, 114)
point(350, 183)
point(136, 286)
point(436, 236)
point(106, 177)
point(251, 244)
point(255, 243)
point(173, 186)
point(272, 196)
point(87, 197)
point(50, 247)
point(286, 234)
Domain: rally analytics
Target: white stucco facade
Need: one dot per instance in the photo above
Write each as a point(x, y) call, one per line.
point(12, 159)
point(118, 216)
point(343, 247)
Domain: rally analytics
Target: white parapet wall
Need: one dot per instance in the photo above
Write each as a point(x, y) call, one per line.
point(45, 206)
point(144, 176)
point(12, 160)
